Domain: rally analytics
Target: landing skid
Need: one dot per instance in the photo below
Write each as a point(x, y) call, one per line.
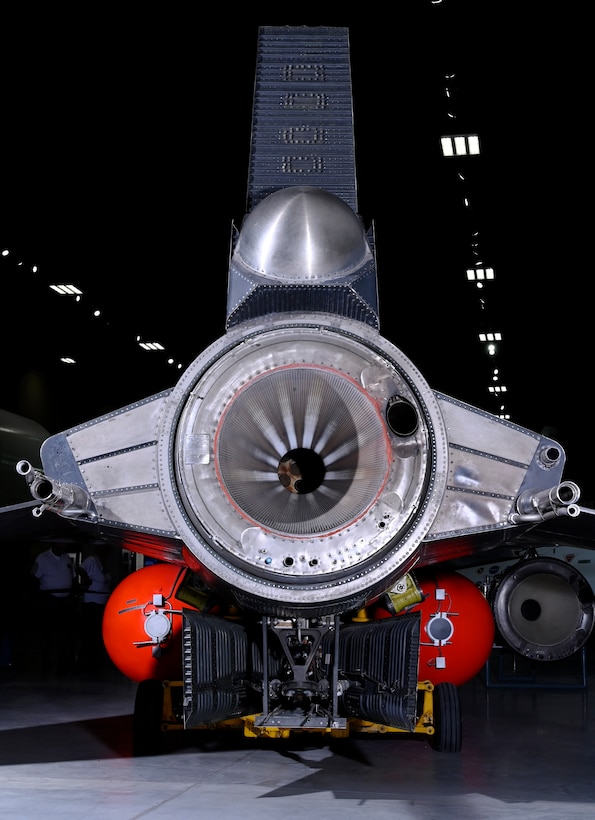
point(158, 712)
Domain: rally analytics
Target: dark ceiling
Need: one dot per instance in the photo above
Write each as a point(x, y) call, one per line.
point(125, 159)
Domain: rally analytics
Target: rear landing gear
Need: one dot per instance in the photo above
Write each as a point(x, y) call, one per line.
point(157, 711)
point(448, 729)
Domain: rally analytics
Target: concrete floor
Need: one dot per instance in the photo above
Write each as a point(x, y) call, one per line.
point(66, 752)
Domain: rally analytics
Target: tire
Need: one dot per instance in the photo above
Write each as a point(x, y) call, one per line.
point(447, 719)
point(147, 737)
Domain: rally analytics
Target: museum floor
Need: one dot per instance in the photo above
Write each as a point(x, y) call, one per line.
point(65, 752)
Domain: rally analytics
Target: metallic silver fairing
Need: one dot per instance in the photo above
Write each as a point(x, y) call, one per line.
point(302, 249)
point(543, 608)
point(302, 234)
point(201, 464)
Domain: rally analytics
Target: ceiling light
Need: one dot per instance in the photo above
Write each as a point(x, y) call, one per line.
point(67, 290)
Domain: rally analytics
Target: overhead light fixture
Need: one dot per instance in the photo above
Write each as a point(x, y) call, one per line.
point(460, 146)
point(479, 274)
point(67, 290)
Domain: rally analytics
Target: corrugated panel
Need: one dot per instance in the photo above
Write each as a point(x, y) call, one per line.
point(382, 657)
point(216, 654)
point(302, 130)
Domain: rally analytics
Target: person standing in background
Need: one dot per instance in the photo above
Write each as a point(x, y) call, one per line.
point(54, 574)
point(96, 582)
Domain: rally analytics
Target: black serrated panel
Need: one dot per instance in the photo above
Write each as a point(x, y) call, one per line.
point(302, 129)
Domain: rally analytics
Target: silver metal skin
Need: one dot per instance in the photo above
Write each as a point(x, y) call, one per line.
point(302, 234)
point(384, 463)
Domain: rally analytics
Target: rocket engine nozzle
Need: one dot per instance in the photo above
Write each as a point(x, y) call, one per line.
point(559, 500)
point(69, 500)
